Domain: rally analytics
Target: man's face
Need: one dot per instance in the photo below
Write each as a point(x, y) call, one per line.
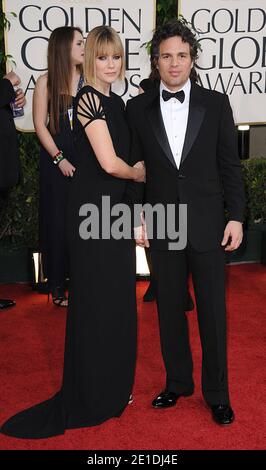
point(174, 62)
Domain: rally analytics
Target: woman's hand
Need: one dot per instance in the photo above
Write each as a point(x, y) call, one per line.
point(140, 176)
point(66, 167)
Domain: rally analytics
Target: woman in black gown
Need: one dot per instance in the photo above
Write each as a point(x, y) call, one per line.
point(53, 97)
point(100, 344)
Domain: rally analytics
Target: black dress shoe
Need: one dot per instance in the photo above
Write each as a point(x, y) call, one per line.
point(190, 304)
point(222, 414)
point(6, 303)
point(149, 295)
point(167, 399)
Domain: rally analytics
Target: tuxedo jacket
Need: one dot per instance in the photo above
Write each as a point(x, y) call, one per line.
point(9, 154)
point(209, 176)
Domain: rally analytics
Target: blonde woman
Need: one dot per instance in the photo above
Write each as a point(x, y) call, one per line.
point(100, 346)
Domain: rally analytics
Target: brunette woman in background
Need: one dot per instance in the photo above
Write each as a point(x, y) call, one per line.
point(52, 103)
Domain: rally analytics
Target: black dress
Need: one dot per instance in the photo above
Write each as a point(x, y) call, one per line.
point(53, 201)
point(100, 345)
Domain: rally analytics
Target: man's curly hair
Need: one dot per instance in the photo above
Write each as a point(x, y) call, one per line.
point(175, 27)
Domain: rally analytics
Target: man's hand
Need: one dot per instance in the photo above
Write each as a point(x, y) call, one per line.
point(13, 78)
point(233, 234)
point(140, 234)
point(20, 99)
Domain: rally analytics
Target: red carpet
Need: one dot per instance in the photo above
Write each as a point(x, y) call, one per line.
point(31, 354)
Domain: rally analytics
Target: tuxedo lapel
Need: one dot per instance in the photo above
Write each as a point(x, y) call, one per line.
point(195, 118)
point(155, 117)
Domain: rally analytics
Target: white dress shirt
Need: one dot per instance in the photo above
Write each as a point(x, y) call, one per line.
point(175, 117)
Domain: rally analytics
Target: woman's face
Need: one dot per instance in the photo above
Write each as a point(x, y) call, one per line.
point(77, 50)
point(107, 67)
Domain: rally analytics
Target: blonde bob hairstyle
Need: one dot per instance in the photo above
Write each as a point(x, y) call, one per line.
point(102, 40)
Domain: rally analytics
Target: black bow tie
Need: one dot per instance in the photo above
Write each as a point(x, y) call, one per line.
point(179, 95)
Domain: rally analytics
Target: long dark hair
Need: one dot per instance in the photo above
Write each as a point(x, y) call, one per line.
point(60, 72)
point(168, 30)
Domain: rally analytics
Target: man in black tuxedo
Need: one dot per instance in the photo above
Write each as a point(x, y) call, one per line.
point(186, 136)
point(9, 155)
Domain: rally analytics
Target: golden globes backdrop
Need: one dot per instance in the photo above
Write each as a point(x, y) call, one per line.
point(232, 34)
point(27, 38)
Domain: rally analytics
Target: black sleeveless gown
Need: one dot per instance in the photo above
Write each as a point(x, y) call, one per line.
point(100, 347)
point(54, 188)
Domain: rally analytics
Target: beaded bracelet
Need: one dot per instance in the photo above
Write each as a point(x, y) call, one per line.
point(58, 157)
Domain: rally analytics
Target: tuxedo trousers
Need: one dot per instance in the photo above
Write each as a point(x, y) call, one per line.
point(170, 270)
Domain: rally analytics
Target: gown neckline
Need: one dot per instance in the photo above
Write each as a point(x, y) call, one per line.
point(100, 93)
